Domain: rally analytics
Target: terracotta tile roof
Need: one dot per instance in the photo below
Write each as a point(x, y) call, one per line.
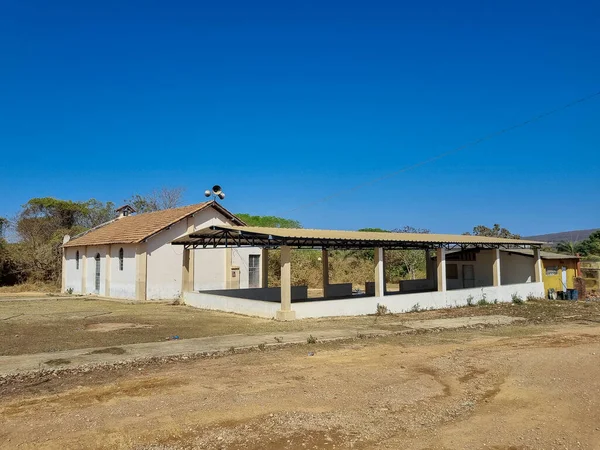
point(135, 228)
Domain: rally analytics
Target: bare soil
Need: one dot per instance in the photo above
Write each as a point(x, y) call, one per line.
point(533, 386)
point(55, 324)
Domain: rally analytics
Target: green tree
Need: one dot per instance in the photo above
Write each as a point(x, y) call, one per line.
point(269, 221)
point(411, 261)
point(41, 225)
point(591, 245)
point(495, 231)
point(568, 248)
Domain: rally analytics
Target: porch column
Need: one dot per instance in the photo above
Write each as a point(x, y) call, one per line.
point(264, 269)
point(228, 261)
point(441, 269)
point(496, 267)
point(379, 272)
point(187, 268)
point(537, 258)
point(429, 269)
point(286, 313)
point(325, 262)
point(187, 274)
point(141, 267)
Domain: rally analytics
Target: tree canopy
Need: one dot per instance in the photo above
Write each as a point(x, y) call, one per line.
point(495, 231)
point(268, 221)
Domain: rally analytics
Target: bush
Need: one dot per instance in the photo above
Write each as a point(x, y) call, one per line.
point(483, 302)
point(311, 339)
point(470, 301)
point(416, 307)
point(517, 300)
point(381, 310)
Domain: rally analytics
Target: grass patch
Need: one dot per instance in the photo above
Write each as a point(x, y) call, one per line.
point(57, 362)
point(109, 351)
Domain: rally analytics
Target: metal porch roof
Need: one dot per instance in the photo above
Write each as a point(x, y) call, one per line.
point(237, 236)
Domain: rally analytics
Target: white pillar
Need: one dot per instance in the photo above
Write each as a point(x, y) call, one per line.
point(537, 261)
point(286, 313)
point(141, 267)
point(441, 269)
point(264, 270)
point(496, 268)
point(325, 262)
point(379, 272)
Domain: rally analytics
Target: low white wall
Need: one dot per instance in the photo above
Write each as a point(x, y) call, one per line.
point(245, 306)
point(405, 302)
point(362, 305)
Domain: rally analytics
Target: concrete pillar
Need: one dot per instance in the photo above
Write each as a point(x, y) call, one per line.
point(441, 269)
point(429, 266)
point(537, 261)
point(379, 272)
point(264, 269)
point(141, 267)
point(325, 262)
point(107, 271)
point(228, 259)
point(187, 264)
point(286, 313)
point(84, 271)
point(496, 267)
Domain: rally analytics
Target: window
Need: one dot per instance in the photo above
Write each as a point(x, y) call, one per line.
point(452, 271)
point(121, 259)
point(77, 260)
point(551, 271)
point(254, 271)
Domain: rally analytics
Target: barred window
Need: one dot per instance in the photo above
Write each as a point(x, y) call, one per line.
point(121, 259)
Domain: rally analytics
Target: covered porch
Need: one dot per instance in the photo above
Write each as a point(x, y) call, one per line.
point(288, 302)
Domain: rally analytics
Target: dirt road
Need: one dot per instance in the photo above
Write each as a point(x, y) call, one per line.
point(515, 387)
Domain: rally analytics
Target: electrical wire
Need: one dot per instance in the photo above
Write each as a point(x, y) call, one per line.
point(447, 153)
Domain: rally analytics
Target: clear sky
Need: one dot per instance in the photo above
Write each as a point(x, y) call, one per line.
point(283, 103)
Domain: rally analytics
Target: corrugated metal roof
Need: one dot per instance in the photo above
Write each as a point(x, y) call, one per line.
point(299, 235)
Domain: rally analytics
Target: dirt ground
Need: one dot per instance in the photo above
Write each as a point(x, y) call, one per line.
point(55, 324)
point(533, 386)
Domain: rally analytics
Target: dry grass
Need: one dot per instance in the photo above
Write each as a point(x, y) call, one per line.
point(54, 324)
point(33, 287)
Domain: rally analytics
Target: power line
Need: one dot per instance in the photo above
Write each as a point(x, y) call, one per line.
point(447, 153)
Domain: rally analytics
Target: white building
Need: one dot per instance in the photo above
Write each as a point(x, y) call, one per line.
point(132, 257)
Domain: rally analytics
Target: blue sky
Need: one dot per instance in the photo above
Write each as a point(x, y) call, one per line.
point(284, 103)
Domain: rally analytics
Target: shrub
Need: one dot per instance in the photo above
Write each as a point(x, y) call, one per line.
point(262, 347)
point(470, 301)
point(69, 291)
point(381, 310)
point(517, 300)
point(311, 339)
point(483, 302)
point(416, 307)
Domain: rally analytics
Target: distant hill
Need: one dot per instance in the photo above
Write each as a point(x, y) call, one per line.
point(563, 236)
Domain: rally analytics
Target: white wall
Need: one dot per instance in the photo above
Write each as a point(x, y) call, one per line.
point(209, 269)
point(164, 269)
point(398, 303)
point(122, 282)
point(91, 253)
point(231, 304)
point(73, 280)
point(515, 268)
point(482, 267)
